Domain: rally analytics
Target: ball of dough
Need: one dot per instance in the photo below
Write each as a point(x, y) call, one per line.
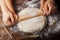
point(32, 24)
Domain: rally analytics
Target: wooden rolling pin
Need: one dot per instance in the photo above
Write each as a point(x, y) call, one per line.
point(29, 13)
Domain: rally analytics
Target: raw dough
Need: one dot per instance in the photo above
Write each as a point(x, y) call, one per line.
point(33, 24)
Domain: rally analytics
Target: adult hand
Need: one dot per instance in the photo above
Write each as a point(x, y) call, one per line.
point(9, 18)
point(49, 7)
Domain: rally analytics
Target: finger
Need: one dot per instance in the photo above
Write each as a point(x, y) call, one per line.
point(42, 8)
point(16, 18)
point(46, 9)
point(12, 18)
point(50, 9)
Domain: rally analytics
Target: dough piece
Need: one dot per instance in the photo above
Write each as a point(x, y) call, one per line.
point(32, 24)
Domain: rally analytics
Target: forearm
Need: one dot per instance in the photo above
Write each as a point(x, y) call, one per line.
point(9, 5)
point(3, 6)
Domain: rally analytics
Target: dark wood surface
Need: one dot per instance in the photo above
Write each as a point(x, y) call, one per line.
point(16, 35)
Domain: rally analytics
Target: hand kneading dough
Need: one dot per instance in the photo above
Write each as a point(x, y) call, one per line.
point(32, 24)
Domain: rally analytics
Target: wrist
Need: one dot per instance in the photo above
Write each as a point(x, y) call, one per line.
point(50, 0)
point(42, 2)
